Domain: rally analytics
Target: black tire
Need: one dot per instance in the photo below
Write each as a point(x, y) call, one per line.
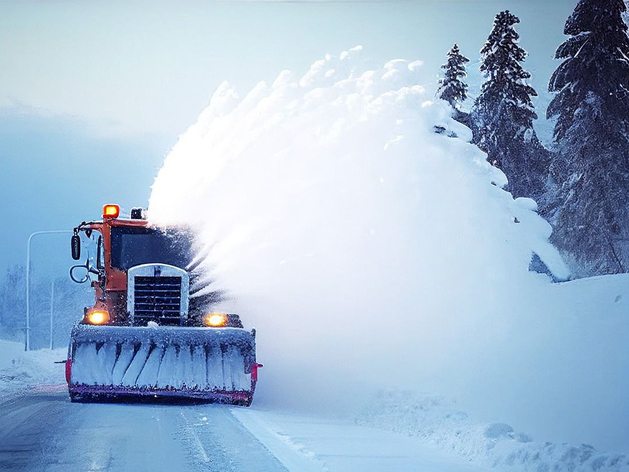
point(76, 397)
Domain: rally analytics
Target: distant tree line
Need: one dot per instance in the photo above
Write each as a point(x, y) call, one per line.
point(67, 300)
point(581, 182)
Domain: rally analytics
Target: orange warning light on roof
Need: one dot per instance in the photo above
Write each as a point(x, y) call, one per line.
point(111, 211)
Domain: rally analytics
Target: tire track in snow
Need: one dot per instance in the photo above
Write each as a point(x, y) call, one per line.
point(200, 449)
point(214, 433)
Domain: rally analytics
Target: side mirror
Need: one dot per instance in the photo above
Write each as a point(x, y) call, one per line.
point(75, 243)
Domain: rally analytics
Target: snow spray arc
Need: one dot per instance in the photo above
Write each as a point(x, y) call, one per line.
point(335, 216)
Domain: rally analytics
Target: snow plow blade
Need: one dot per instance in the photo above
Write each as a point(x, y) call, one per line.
point(112, 363)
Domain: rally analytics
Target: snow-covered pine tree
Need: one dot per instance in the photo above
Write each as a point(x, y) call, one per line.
point(591, 167)
point(503, 113)
point(452, 89)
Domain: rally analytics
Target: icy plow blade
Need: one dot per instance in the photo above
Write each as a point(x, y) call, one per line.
point(119, 362)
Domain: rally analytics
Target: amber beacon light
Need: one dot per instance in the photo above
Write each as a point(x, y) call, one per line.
point(111, 211)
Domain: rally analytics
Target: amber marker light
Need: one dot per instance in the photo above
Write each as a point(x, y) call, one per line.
point(111, 211)
point(215, 320)
point(98, 317)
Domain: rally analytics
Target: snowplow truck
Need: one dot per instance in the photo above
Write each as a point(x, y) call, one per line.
point(148, 334)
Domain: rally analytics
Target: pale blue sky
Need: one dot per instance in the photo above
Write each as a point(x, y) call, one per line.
point(93, 94)
point(151, 66)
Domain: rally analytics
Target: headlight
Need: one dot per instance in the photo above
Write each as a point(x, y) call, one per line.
point(97, 317)
point(215, 320)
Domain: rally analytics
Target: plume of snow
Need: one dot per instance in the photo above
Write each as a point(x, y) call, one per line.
point(366, 247)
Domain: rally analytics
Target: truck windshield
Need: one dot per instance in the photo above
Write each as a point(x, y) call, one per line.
point(134, 246)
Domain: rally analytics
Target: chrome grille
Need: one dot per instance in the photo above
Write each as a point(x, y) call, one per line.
point(157, 299)
point(159, 293)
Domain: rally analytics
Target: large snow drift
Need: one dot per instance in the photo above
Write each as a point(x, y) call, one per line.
point(566, 380)
point(369, 249)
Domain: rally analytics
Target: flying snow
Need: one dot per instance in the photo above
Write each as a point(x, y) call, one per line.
point(346, 215)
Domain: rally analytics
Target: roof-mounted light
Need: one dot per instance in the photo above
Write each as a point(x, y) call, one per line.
point(138, 214)
point(111, 211)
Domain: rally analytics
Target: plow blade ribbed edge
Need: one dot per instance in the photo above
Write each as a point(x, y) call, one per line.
point(213, 364)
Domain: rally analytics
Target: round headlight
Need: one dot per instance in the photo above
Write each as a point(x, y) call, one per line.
point(98, 317)
point(215, 320)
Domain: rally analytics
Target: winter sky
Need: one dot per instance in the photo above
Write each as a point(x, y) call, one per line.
point(94, 94)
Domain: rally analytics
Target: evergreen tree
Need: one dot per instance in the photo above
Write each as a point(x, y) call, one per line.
point(591, 167)
point(503, 113)
point(452, 89)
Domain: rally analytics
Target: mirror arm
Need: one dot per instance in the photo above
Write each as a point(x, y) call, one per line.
point(74, 279)
point(89, 268)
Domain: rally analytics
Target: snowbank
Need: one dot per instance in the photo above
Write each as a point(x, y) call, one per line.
point(438, 421)
point(316, 444)
point(563, 374)
point(21, 370)
point(571, 383)
point(346, 215)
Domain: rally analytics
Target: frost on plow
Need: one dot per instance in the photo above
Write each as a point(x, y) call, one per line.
point(207, 364)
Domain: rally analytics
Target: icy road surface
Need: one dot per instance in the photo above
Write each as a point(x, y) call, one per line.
point(43, 431)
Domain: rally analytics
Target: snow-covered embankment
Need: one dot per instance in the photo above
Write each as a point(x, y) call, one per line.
point(21, 370)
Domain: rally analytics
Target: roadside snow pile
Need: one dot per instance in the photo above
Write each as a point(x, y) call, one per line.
point(438, 421)
point(568, 384)
point(320, 444)
point(346, 215)
point(21, 370)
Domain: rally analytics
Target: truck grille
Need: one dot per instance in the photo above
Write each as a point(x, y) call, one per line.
point(157, 299)
point(157, 292)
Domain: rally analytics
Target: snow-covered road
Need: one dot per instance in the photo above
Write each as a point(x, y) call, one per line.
point(43, 431)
